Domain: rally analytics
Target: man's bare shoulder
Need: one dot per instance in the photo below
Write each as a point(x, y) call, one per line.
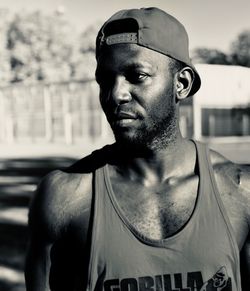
point(66, 193)
point(233, 181)
point(60, 200)
point(66, 189)
point(63, 198)
point(234, 175)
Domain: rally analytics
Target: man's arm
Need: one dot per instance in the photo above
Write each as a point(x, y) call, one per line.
point(245, 251)
point(44, 227)
point(233, 181)
point(245, 265)
point(37, 266)
point(60, 202)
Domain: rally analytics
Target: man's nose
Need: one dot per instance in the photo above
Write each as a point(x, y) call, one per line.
point(120, 92)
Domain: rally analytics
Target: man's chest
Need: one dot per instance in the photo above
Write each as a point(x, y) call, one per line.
point(157, 212)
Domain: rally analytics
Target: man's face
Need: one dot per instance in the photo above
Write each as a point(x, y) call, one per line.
point(137, 95)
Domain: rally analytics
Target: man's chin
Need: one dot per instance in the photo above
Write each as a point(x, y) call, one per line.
point(141, 143)
point(125, 140)
point(131, 142)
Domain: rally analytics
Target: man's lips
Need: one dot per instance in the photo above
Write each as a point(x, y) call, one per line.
point(124, 115)
point(123, 118)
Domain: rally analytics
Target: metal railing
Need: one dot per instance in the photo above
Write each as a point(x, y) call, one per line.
point(60, 112)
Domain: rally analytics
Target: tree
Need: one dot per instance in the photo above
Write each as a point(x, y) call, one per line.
point(40, 47)
point(88, 38)
point(210, 56)
point(239, 53)
point(5, 68)
point(83, 61)
point(240, 49)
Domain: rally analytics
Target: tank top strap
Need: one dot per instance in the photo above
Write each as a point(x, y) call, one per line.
point(206, 170)
point(206, 173)
point(202, 166)
point(98, 201)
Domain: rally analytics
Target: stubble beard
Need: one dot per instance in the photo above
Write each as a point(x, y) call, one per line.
point(159, 136)
point(159, 133)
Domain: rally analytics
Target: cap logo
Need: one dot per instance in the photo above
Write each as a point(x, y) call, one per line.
point(126, 37)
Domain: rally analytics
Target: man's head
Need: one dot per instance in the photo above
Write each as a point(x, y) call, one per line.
point(143, 69)
point(152, 28)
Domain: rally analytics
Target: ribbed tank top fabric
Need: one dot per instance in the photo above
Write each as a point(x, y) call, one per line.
point(199, 257)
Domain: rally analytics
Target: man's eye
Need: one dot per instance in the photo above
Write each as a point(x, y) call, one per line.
point(137, 77)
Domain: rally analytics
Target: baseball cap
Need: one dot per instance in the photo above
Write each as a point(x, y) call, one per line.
point(152, 28)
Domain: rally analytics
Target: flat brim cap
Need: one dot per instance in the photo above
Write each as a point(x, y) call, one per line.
point(152, 28)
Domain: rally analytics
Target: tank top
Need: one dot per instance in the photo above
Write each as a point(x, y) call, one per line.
point(202, 256)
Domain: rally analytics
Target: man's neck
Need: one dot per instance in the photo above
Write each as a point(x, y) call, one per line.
point(157, 166)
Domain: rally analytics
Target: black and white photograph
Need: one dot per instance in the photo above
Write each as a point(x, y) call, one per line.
point(124, 145)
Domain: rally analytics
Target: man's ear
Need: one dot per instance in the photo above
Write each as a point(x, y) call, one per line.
point(184, 82)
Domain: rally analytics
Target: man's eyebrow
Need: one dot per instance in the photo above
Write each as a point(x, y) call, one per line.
point(127, 66)
point(138, 65)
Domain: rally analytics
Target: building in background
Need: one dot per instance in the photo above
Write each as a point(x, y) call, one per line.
point(221, 108)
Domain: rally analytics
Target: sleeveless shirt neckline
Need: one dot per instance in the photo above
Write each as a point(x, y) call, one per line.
point(182, 230)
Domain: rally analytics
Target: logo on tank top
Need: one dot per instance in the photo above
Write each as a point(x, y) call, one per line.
point(192, 281)
point(219, 282)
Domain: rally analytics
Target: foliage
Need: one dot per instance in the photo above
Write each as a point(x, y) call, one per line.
point(88, 37)
point(36, 47)
point(240, 49)
point(85, 53)
point(5, 68)
point(239, 53)
point(40, 47)
point(210, 56)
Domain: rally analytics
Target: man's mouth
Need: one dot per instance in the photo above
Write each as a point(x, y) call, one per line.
point(125, 115)
point(123, 118)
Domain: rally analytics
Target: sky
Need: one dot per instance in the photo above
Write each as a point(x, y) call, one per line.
point(210, 23)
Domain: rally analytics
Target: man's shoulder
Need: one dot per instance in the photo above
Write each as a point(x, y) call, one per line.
point(72, 186)
point(236, 175)
point(94, 161)
point(233, 183)
point(61, 187)
point(62, 199)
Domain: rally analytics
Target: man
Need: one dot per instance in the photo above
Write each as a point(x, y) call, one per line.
point(148, 212)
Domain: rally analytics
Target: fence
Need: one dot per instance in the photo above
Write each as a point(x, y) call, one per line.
point(64, 113)
point(70, 113)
